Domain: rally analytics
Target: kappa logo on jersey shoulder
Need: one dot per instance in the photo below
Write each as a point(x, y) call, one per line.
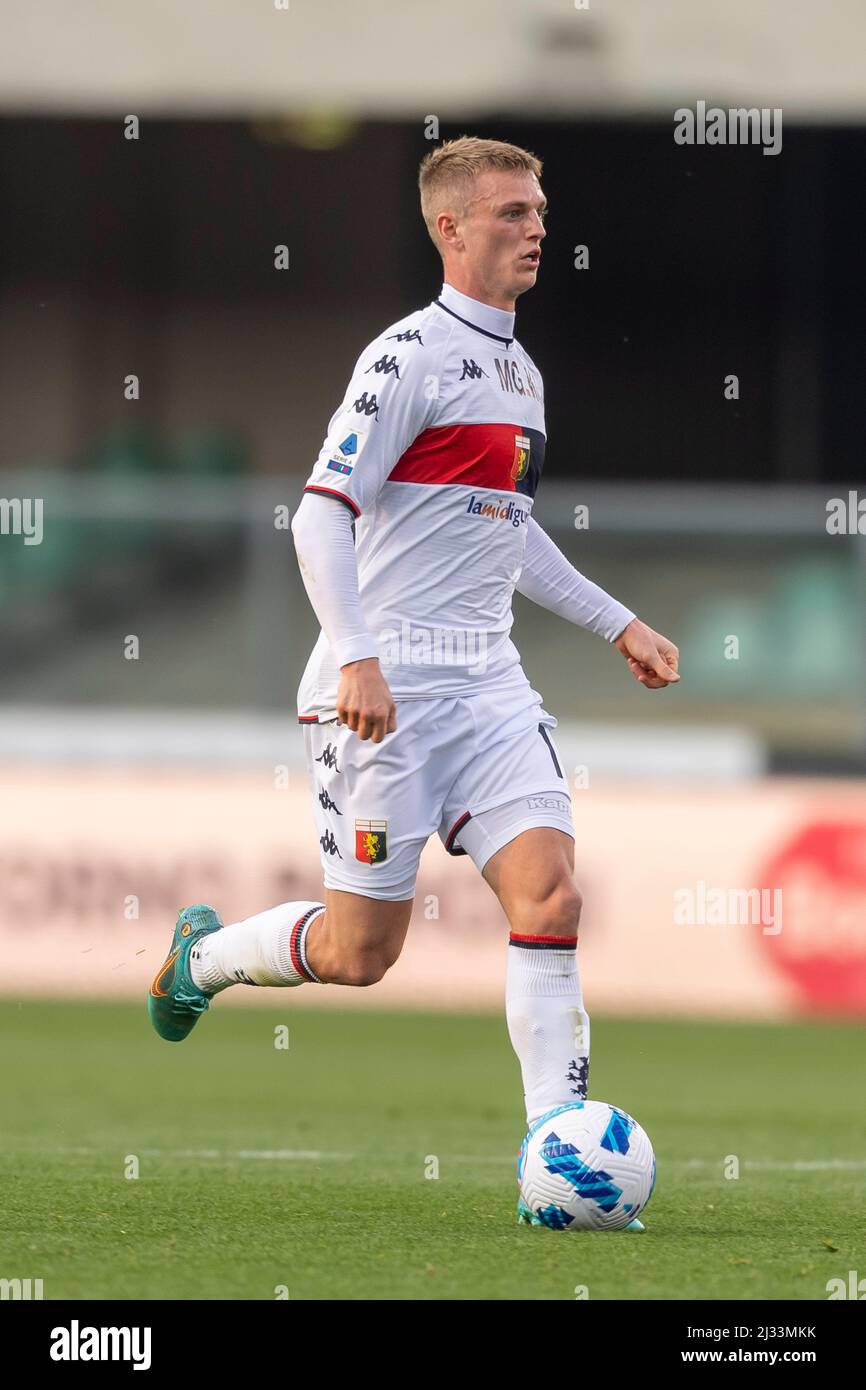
point(345, 455)
point(385, 364)
point(367, 405)
point(409, 335)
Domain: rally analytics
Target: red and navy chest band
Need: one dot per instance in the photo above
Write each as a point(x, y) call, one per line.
point(505, 458)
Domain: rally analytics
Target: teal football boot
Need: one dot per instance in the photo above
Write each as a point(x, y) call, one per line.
point(525, 1216)
point(175, 1002)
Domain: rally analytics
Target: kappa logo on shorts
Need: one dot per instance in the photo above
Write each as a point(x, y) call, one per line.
point(329, 757)
point(329, 844)
point(326, 803)
point(548, 803)
point(371, 841)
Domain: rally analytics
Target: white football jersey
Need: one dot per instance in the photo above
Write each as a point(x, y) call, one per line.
point(437, 450)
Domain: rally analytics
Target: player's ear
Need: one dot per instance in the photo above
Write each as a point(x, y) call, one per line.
point(449, 232)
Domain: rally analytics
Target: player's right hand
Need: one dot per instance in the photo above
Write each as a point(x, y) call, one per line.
point(364, 700)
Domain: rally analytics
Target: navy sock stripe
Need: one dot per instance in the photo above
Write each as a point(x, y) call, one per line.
point(542, 943)
point(297, 945)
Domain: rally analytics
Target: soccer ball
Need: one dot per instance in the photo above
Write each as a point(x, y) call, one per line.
point(586, 1167)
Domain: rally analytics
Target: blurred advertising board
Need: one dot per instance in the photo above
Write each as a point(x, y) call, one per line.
point(730, 901)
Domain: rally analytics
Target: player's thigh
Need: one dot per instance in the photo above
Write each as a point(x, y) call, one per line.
point(376, 805)
point(510, 810)
point(532, 876)
point(360, 935)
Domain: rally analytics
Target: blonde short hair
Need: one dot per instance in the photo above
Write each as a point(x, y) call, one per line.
point(447, 173)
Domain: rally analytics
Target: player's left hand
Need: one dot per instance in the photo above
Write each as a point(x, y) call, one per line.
point(652, 658)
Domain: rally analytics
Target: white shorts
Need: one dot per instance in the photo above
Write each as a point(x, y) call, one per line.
point(468, 767)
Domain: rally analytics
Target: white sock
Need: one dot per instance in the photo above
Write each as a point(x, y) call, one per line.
point(268, 949)
point(547, 1023)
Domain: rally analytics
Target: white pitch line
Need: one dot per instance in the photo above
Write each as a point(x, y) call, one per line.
point(804, 1165)
point(816, 1165)
point(302, 1154)
point(290, 1153)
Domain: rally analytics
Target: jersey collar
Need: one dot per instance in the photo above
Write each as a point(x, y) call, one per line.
point(484, 318)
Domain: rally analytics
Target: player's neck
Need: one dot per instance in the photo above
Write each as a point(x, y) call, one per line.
point(493, 318)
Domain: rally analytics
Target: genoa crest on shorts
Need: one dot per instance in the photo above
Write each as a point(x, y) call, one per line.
point(371, 841)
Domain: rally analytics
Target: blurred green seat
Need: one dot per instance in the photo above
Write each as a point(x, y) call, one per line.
point(210, 454)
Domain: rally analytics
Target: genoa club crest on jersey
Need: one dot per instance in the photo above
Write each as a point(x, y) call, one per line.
point(371, 841)
point(520, 466)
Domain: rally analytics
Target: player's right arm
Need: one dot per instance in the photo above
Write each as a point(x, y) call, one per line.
point(325, 546)
point(385, 407)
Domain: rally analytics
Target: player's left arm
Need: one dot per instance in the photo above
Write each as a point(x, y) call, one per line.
point(550, 580)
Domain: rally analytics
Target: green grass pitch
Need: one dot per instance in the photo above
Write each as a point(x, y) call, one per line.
point(303, 1169)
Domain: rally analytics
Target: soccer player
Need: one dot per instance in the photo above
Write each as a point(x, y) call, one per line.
point(413, 531)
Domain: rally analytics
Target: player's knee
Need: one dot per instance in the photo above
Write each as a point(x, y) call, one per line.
point(365, 965)
point(559, 913)
point(363, 970)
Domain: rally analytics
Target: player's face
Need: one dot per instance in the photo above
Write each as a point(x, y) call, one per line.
point(503, 231)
